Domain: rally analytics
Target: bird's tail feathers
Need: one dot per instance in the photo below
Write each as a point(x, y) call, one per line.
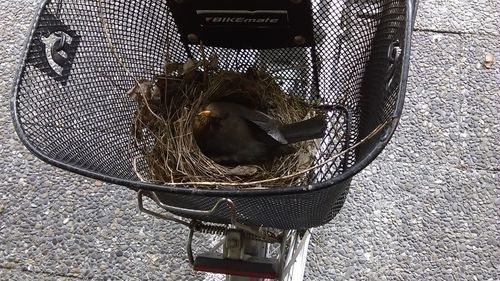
point(312, 128)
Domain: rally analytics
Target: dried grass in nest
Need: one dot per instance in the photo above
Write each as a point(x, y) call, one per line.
point(167, 115)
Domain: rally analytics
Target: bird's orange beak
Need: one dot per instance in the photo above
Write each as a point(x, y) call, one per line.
point(205, 113)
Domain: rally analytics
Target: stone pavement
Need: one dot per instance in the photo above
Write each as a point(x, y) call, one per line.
point(426, 209)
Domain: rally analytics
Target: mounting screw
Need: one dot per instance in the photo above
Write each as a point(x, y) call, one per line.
point(299, 40)
point(192, 38)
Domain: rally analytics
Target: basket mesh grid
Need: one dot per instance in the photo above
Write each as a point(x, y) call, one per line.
point(85, 120)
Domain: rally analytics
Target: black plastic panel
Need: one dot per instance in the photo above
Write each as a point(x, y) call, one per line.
point(257, 24)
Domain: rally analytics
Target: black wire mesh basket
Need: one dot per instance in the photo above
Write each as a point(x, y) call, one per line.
point(70, 108)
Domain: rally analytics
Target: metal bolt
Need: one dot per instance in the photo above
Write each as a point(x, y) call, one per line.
point(299, 40)
point(394, 51)
point(192, 38)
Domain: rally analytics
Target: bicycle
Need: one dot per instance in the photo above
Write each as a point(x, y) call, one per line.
point(70, 110)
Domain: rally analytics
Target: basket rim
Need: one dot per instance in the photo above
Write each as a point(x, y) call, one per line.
point(383, 138)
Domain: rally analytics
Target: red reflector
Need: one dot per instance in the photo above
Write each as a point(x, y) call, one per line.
point(256, 268)
point(227, 271)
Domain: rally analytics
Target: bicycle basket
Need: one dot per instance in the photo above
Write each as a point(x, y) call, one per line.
point(70, 108)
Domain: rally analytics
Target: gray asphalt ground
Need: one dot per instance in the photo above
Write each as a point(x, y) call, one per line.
point(426, 209)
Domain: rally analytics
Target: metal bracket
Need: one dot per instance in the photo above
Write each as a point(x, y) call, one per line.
point(394, 57)
point(140, 204)
point(259, 233)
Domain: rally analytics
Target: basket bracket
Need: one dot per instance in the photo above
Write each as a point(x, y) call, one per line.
point(194, 224)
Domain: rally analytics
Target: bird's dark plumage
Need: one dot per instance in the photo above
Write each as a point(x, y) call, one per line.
point(233, 134)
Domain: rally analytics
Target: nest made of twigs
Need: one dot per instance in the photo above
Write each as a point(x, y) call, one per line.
point(168, 104)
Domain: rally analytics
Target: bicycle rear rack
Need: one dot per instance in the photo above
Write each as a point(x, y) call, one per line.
point(244, 248)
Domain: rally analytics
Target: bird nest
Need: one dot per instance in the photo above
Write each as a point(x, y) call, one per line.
point(168, 104)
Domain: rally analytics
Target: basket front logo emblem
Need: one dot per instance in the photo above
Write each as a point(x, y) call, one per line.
point(237, 17)
point(54, 48)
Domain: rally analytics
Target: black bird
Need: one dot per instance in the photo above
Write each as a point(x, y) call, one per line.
point(233, 134)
